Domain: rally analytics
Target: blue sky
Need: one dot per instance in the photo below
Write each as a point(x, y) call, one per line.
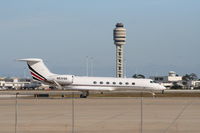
point(162, 35)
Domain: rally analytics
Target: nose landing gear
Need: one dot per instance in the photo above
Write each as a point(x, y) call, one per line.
point(153, 94)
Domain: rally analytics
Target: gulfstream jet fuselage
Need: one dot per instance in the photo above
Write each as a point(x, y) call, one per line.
point(41, 73)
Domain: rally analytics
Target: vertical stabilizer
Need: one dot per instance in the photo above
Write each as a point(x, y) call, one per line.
point(37, 68)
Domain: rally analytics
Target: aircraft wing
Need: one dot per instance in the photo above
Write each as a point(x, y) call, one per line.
point(88, 88)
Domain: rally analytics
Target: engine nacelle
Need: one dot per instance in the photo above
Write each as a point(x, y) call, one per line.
point(62, 79)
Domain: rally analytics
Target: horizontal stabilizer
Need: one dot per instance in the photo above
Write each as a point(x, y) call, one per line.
point(30, 59)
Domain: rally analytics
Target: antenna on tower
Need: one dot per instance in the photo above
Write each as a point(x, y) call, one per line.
point(92, 66)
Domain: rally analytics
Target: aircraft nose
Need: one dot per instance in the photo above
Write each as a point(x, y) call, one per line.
point(162, 87)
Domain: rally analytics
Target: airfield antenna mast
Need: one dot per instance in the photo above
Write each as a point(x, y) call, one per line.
point(87, 66)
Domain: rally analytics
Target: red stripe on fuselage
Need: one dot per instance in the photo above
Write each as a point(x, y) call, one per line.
point(33, 74)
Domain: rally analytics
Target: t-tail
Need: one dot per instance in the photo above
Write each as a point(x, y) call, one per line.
point(37, 69)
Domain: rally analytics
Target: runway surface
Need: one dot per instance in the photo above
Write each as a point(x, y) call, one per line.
point(100, 115)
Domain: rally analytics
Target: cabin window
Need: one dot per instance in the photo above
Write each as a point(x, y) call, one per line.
point(127, 83)
point(120, 83)
point(101, 82)
point(133, 83)
point(107, 83)
point(95, 82)
point(114, 83)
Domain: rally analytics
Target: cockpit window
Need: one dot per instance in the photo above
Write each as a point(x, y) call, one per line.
point(152, 81)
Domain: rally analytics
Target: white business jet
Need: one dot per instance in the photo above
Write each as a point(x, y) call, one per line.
point(41, 73)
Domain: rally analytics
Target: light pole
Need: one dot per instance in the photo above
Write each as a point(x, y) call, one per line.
point(16, 111)
point(141, 102)
point(72, 112)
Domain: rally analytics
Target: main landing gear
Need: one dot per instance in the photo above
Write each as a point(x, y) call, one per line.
point(84, 94)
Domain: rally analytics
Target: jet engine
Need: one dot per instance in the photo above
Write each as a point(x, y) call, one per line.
point(62, 79)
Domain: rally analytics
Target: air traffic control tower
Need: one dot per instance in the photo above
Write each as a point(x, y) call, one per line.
point(119, 37)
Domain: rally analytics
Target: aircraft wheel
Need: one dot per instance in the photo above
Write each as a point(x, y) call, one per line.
point(84, 94)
